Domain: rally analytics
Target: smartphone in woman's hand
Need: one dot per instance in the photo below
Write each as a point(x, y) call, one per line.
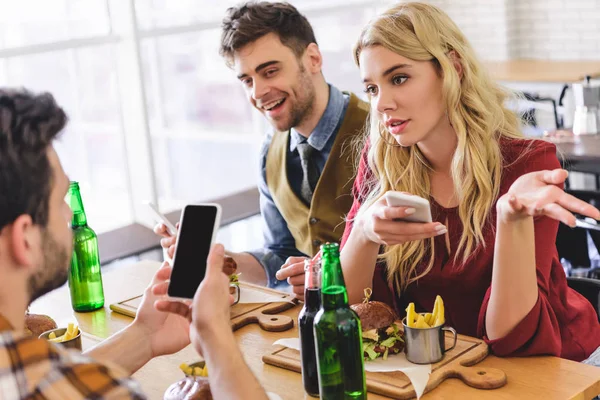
point(421, 205)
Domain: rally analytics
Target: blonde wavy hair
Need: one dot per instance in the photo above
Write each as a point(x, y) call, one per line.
point(476, 111)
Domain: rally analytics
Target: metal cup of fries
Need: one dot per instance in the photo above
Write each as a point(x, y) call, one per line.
point(69, 337)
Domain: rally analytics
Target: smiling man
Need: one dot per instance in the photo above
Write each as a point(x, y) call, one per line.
point(307, 164)
point(303, 196)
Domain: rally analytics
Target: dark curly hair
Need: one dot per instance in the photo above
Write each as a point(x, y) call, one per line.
point(28, 125)
point(252, 20)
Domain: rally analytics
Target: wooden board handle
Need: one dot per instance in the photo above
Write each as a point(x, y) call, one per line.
point(478, 377)
point(275, 323)
point(270, 323)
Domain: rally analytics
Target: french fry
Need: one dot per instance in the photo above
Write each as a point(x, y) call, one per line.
point(440, 318)
point(421, 322)
point(411, 315)
point(58, 339)
point(435, 312)
point(52, 335)
point(205, 370)
point(197, 371)
point(429, 318)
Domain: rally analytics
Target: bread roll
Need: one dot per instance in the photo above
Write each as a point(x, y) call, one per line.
point(189, 388)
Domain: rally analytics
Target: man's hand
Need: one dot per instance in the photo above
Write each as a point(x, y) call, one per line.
point(293, 271)
point(210, 308)
point(167, 242)
point(166, 333)
point(213, 290)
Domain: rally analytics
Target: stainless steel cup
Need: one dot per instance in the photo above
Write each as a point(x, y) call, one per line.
point(234, 290)
point(426, 345)
point(74, 343)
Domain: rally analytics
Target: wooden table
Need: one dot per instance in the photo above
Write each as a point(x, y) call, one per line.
point(581, 155)
point(583, 149)
point(534, 377)
point(543, 70)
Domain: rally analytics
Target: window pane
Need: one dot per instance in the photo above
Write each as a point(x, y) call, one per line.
point(91, 147)
point(337, 34)
point(3, 72)
point(96, 75)
point(29, 22)
point(163, 13)
point(316, 4)
point(204, 143)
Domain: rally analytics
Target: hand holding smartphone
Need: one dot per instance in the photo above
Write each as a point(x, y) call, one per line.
point(161, 218)
point(197, 232)
point(421, 205)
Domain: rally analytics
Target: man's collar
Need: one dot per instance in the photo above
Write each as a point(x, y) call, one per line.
point(327, 124)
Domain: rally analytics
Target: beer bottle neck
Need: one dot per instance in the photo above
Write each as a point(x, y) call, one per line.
point(79, 218)
point(312, 285)
point(312, 274)
point(334, 294)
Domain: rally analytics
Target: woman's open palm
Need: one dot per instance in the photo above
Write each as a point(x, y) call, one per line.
point(537, 193)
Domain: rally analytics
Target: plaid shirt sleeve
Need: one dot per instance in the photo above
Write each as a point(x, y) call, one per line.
point(37, 369)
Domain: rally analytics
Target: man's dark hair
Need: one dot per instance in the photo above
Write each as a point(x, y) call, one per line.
point(28, 124)
point(250, 21)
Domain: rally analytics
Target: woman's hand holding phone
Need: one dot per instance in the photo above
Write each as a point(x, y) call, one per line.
point(386, 225)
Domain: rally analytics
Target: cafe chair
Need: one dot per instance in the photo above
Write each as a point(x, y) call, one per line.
point(588, 288)
point(585, 167)
point(572, 246)
point(592, 197)
point(578, 247)
point(529, 116)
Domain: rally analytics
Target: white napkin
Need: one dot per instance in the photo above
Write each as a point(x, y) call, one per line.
point(418, 374)
point(253, 296)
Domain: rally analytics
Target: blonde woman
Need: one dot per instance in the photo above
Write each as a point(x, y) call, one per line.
point(439, 130)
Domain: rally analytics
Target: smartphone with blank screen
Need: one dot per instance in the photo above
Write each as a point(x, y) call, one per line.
point(421, 206)
point(197, 232)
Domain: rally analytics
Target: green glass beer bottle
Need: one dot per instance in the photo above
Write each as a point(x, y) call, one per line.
point(85, 278)
point(338, 339)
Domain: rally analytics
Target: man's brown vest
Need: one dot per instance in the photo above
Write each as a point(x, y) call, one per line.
point(324, 220)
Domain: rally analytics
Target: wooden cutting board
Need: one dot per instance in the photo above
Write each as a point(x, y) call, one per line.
point(455, 364)
point(263, 311)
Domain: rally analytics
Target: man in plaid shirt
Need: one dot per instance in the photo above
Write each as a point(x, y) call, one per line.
point(35, 249)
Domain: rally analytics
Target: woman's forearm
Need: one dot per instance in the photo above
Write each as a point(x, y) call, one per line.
point(358, 259)
point(514, 282)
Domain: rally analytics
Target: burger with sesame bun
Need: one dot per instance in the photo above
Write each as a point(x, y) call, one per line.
point(380, 328)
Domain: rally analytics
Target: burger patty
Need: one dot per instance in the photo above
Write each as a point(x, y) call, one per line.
point(396, 348)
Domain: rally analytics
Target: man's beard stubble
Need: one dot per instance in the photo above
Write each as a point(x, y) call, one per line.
point(55, 270)
point(306, 98)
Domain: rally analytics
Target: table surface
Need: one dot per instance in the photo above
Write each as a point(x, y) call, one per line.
point(543, 70)
point(532, 377)
point(583, 148)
